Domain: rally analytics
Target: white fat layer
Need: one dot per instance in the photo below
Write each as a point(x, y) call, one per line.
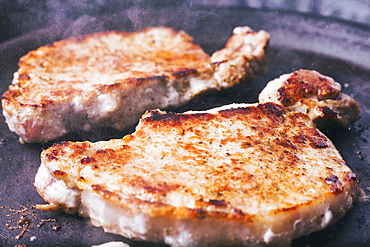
point(274, 230)
point(54, 190)
point(297, 224)
point(11, 123)
point(112, 244)
point(241, 30)
point(172, 96)
point(121, 220)
point(327, 219)
point(113, 218)
point(198, 85)
point(220, 77)
point(108, 103)
point(224, 107)
point(269, 235)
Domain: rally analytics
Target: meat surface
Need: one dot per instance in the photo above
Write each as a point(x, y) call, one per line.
point(241, 174)
point(110, 79)
point(317, 95)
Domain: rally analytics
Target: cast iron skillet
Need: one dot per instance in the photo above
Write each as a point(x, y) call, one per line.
point(337, 49)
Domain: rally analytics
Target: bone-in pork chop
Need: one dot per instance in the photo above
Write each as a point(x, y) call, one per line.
point(110, 79)
point(241, 174)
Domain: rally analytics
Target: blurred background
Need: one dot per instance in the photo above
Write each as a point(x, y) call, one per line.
point(18, 17)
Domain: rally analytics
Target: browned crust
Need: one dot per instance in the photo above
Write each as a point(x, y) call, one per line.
point(99, 78)
point(277, 141)
point(304, 84)
point(51, 56)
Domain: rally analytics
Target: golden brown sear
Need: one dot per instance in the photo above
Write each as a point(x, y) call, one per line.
point(251, 174)
point(110, 79)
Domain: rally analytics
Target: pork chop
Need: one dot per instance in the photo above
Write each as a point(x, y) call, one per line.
point(317, 95)
point(241, 174)
point(110, 79)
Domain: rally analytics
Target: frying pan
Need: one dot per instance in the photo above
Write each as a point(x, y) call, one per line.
point(335, 48)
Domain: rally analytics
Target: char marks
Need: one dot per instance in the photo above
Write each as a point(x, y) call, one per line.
point(304, 84)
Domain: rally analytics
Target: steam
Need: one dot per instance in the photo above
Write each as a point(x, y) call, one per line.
point(18, 17)
point(113, 15)
point(83, 25)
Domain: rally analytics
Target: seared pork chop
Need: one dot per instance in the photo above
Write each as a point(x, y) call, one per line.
point(241, 174)
point(317, 95)
point(110, 79)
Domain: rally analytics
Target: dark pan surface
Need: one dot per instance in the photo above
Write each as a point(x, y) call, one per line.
point(337, 49)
